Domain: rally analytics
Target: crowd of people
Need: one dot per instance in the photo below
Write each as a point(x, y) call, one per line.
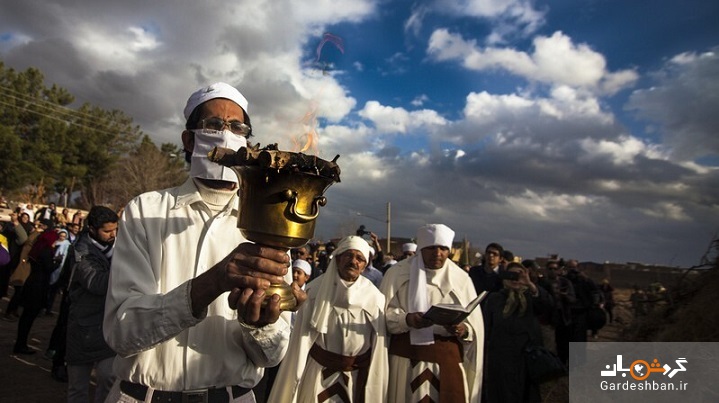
point(52, 256)
point(167, 300)
point(20, 235)
point(519, 310)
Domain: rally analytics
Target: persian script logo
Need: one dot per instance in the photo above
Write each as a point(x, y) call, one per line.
point(640, 369)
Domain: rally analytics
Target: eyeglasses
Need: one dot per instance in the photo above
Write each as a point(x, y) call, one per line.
point(235, 126)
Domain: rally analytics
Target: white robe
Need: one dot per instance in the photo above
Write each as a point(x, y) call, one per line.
point(356, 325)
point(450, 284)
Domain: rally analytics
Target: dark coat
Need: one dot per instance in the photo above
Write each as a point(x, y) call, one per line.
point(484, 280)
point(34, 291)
point(88, 287)
point(506, 377)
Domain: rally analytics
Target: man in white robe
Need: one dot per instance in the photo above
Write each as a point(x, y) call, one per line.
point(442, 363)
point(338, 349)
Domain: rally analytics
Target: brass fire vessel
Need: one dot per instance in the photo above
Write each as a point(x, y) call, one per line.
point(281, 193)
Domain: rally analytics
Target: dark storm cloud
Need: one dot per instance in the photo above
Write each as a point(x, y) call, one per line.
point(684, 99)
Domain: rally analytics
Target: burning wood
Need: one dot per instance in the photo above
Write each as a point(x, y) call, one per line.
point(270, 157)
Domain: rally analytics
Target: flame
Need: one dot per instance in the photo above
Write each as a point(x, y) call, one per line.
point(309, 134)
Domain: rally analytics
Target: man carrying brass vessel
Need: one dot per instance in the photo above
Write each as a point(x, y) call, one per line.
point(429, 362)
point(338, 348)
point(183, 305)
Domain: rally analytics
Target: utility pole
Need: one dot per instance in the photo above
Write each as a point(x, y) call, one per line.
point(388, 227)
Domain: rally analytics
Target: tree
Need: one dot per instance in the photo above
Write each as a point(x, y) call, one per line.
point(105, 137)
point(48, 145)
point(146, 168)
point(28, 125)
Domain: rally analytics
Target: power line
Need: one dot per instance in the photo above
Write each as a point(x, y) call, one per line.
point(61, 120)
point(52, 107)
point(34, 101)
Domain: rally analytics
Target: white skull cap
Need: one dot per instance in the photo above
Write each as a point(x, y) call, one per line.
point(434, 235)
point(216, 90)
point(353, 242)
point(409, 247)
point(304, 265)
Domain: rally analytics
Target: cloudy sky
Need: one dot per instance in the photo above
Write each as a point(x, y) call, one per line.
point(585, 128)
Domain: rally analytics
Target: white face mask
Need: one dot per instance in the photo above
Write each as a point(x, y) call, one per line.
point(205, 141)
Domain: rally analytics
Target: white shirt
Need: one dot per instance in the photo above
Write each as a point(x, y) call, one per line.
point(165, 239)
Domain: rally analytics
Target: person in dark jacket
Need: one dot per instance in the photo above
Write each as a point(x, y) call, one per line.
point(86, 346)
point(25, 233)
point(485, 277)
point(587, 297)
point(608, 293)
point(34, 292)
point(511, 324)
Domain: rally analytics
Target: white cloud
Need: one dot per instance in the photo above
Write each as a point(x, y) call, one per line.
point(484, 107)
point(365, 166)
point(126, 51)
point(530, 204)
point(388, 119)
point(345, 140)
point(323, 12)
point(555, 60)
point(420, 100)
point(413, 24)
point(621, 151)
point(143, 39)
point(563, 104)
point(666, 210)
point(507, 16)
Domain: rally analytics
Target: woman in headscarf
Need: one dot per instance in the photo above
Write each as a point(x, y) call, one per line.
point(26, 232)
point(34, 292)
point(511, 324)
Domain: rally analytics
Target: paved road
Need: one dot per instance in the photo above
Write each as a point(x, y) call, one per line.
point(26, 378)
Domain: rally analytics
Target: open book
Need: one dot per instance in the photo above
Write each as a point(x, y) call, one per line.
point(452, 314)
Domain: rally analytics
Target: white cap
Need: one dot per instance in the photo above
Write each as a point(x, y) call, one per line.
point(409, 247)
point(216, 90)
point(434, 235)
point(353, 242)
point(304, 265)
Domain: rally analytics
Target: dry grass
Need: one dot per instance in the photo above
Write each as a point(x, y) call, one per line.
point(690, 314)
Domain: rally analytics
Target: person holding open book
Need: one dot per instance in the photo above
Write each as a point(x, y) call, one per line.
point(447, 358)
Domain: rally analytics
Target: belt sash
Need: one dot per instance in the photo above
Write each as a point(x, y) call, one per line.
point(342, 363)
point(447, 352)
